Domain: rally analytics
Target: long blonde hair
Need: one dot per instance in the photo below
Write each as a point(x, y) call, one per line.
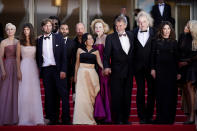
point(193, 30)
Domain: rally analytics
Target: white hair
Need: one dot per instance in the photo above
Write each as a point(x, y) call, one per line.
point(10, 25)
point(147, 16)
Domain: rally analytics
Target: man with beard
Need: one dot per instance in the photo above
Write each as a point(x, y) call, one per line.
point(52, 64)
point(69, 47)
point(56, 24)
point(80, 30)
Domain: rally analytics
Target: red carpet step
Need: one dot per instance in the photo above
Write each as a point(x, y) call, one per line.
point(134, 127)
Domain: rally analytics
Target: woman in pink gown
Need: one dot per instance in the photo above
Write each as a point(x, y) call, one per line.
point(9, 82)
point(102, 111)
point(29, 96)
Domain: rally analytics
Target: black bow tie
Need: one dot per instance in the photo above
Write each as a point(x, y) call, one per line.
point(47, 37)
point(143, 31)
point(161, 4)
point(122, 35)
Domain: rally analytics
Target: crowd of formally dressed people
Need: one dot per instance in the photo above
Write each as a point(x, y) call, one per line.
point(100, 71)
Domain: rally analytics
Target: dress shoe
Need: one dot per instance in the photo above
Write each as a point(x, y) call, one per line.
point(66, 123)
point(142, 121)
point(189, 122)
point(149, 121)
point(127, 123)
point(52, 123)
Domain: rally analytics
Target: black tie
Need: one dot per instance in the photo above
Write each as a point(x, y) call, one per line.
point(47, 37)
point(122, 35)
point(143, 31)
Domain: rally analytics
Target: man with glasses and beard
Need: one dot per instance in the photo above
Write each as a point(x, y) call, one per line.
point(56, 24)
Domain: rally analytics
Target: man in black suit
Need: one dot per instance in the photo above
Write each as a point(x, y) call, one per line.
point(161, 12)
point(52, 63)
point(143, 39)
point(70, 47)
point(118, 60)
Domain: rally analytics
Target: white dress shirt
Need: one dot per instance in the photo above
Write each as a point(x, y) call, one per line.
point(143, 37)
point(65, 39)
point(47, 52)
point(124, 40)
point(161, 8)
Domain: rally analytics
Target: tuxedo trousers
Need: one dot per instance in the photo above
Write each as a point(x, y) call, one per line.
point(55, 88)
point(145, 110)
point(121, 89)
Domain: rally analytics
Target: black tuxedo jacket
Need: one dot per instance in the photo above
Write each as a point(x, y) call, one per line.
point(58, 51)
point(70, 47)
point(121, 63)
point(157, 15)
point(142, 55)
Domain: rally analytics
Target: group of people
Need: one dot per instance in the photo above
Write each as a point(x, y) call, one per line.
point(100, 71)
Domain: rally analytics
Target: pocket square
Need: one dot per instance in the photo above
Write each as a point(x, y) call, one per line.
point(56, 45)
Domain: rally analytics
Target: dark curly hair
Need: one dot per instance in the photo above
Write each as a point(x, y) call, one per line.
point(23, 40)
point(159, 34)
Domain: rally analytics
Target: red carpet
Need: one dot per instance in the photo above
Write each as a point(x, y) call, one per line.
point(135, 127)
point(180, 118)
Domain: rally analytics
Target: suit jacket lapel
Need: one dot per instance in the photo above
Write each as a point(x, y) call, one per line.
point(130, 42)
point(150, 35)
point(41, 44)
point(53, 42)
point(164, 11)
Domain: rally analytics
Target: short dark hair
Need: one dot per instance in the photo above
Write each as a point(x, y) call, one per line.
point(56, 18)
point(45, 21)
point(64, 24)
point(121, 18)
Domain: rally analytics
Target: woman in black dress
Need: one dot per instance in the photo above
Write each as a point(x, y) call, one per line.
point(190, 49)
point(164, 70)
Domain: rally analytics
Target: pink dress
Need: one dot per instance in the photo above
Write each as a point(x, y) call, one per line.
point(102, 110)
point(29, 96)
point(9, 89)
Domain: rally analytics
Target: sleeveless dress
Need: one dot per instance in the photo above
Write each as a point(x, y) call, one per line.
point(87, 87)
point(9, 89)
point(102, 110)
point(29, 96)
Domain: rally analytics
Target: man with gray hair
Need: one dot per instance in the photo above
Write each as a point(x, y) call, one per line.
point(118, 60)
point(143, 39)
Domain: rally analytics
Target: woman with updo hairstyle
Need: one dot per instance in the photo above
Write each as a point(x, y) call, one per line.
point(165, 72)
point(102, 112)
point(9, 86)
point(87, 82)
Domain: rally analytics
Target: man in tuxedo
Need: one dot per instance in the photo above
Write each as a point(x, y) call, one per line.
point(161, 12)
point(118, 60)
point(52, 63)
point(143, 39)
point(69, 47)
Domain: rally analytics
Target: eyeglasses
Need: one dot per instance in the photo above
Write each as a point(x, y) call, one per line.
point(56, 24)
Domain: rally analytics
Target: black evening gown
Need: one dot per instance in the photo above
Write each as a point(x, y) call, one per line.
point(164, 61)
